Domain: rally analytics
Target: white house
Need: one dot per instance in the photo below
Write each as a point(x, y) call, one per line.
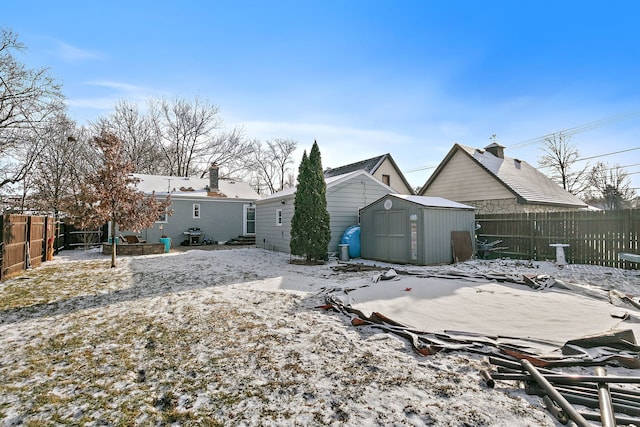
point(346, 195)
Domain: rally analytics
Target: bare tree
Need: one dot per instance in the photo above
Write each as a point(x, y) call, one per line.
point(192, 138)
point(561, 156)
point(273, 165)
point(609, 187)
point(52, 181)
point(186, 129)
point(137, 131)
point(27, 98)
point(231, 151)
point(86, 165)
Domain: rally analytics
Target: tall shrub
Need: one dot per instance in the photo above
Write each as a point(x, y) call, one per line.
point(310, 229)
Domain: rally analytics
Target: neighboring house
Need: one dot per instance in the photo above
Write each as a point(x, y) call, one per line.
point(382, 167)
point(221, 209)
point(346, 195)
point(493, 183)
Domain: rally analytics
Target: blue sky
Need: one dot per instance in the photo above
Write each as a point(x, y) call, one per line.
point(363, 78)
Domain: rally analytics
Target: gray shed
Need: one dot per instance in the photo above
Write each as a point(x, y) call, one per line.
point(413, 229)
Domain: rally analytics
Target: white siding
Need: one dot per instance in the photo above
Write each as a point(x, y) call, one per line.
point(343, 201)
point(396, 182)
point(269, 235)
point(462, 180)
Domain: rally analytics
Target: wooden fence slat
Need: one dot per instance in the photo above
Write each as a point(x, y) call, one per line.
point(595, 237)
point(23, 238)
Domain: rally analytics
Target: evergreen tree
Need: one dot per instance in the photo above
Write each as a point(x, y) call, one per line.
point(310, 232)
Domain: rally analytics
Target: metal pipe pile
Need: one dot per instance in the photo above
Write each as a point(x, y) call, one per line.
point(611, 405)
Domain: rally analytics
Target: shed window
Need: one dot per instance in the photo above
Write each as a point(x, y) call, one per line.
point(386, 179)
point(279, 217)
point(196, 210)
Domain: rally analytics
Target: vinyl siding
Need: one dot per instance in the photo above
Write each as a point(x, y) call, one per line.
point(343, 201)
point(396, 182)
point(269, 235)
point(464, 181)
point(220, 220)
point(438, 225)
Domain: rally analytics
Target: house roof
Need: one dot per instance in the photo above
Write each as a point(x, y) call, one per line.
point(330, 182)
point(519, 177)
point(369, 165)
point(193, 187)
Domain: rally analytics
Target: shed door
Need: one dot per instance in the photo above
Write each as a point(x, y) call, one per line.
point(391, 239)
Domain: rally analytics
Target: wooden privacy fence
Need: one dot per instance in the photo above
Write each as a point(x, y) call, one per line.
point(594, 237)
point(24, 242)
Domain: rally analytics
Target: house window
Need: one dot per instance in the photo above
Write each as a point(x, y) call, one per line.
point(386, 179)
point(196, 210)
point(162, 215)
point(279, 217)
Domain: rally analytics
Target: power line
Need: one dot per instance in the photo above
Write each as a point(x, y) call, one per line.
point(551, 166)
point(628, 166)
point(607, 154)
point(420, 169)
point(603, 155)
point(580, 128)
point(570, 131)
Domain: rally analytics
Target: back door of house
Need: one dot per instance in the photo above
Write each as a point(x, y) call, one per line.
point(249, 227)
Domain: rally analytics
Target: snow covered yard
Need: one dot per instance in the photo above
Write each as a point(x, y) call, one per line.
point(234, 338)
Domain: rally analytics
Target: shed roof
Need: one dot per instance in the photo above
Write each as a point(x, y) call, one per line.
point(190, 187)
point(428, 201)
point(433, 202)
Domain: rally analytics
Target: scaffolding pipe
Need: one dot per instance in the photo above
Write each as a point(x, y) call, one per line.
point(569, 379)
point(568, 409)
point(604, 397)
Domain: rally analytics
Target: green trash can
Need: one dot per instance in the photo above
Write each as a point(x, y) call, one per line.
point(167, 244)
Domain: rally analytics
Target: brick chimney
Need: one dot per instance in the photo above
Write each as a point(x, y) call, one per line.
point(495, 149)
point(213, 182)
point(213, 177)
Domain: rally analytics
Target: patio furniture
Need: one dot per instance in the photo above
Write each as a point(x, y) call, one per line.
point(625, 256)
point(132, 239)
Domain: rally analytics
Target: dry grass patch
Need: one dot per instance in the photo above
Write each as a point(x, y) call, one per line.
point(58, 281)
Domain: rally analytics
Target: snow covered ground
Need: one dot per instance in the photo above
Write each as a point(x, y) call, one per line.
point(234, 337)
